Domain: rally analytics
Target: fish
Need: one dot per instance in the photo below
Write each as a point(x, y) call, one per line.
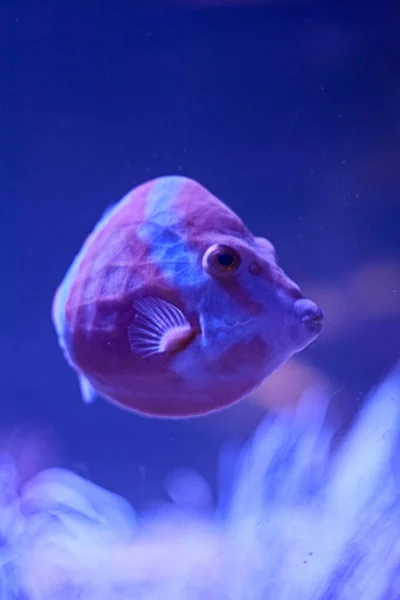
point(173, 308)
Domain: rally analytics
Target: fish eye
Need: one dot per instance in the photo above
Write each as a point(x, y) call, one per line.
point(221, 260)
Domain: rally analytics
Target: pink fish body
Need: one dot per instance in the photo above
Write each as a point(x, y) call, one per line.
point(173, 308)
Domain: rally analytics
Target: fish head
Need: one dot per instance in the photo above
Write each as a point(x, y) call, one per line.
point(246, 300)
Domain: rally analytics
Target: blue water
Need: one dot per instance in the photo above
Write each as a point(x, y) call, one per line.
point(289, 113)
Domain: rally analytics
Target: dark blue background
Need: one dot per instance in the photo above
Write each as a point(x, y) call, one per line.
point(288, 112)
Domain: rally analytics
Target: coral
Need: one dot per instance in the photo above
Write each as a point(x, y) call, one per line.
point(297, 522)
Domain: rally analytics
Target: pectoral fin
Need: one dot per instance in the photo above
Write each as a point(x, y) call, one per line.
point(159, 327)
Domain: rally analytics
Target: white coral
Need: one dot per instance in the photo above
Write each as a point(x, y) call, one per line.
point(297, 524)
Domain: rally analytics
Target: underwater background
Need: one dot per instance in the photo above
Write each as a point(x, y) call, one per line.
point(289, 112)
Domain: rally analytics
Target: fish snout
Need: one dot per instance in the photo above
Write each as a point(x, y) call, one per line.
point(310, 315)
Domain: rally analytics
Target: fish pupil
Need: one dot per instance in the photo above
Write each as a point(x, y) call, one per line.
point(225, 260)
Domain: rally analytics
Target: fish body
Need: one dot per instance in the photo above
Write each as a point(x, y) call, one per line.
point(173, 308)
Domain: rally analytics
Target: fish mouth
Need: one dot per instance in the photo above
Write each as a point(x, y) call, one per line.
point(310, 315)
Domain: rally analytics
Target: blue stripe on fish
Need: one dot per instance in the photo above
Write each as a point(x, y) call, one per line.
point(163, 231)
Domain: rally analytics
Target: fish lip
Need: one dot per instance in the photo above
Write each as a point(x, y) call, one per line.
point(313, 325)
point(310, 315)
